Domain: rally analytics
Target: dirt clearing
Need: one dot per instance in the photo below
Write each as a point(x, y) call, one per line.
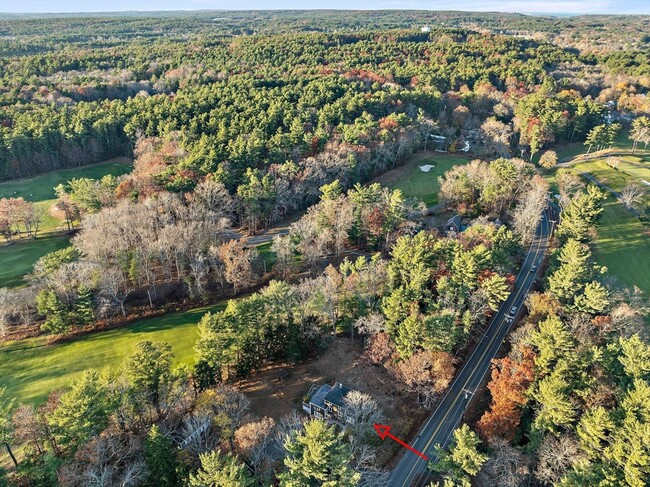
point(279, 389)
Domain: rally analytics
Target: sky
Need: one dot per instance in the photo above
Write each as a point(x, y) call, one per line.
point(521, 6)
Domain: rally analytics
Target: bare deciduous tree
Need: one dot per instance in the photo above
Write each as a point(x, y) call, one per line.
point(528, 212)
point(632, 195)
point(497, 136)
point(506, 467)
point(555, 457)
point(285, 264)
point(238, 261)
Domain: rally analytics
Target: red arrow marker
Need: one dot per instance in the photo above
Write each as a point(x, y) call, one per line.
point(383, 431)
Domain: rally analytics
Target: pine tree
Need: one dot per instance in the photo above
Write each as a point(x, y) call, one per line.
point(57, 318)
point(574, 271)
point(84, 305)
point(594, 431)
point(221, 470)
point(640, 132)
point(318, 456)
point(581, 215)
point(594, 298)
point(554, 341)
point(410, 336)
point(555, 407)
point(497, 290)
point(597, 137)
point(635, 357)
point(82, 412)
point(463, 457)
point(149, 370)
point(160, 458)
point(441, 333)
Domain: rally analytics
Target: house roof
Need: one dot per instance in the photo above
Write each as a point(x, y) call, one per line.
point(455, 220)
point(319, 395)
point(337, 394)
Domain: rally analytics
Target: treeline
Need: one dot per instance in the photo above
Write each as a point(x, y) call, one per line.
point(306, 90)
point(589, 32)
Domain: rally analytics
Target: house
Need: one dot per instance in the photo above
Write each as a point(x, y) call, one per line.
point(327, 402)
point(454, 224)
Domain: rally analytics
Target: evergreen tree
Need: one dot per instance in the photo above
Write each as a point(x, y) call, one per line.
point(160, 458)
point(594, 298)
point(574, 271)
point(149, 370)
point(635, 357)
point(318, 456)
point(221, 470)
point(581, 215)
point(554, 341)
point(82, 412)
point(57, 318)
point(463, 458)
point(441, 332)
point(410, 336)
point(497, 290)
point(594, 431)
point(556, 410)
point(84, 310)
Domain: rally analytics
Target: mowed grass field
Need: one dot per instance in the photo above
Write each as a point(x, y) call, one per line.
point(41, 187)
point(30, 369)
point(623, 245)
point(18, 259)
point(414, 182)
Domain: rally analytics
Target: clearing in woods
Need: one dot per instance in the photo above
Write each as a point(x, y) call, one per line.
point(414, 182)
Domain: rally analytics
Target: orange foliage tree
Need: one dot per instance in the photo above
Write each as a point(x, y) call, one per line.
point(508, 384)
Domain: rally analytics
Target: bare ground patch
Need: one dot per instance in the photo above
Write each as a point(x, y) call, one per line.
point(277, 390)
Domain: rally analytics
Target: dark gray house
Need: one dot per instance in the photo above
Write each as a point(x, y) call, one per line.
point(326, 402)
point(454, 224)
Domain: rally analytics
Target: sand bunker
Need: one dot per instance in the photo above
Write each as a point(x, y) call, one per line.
point(426, 168)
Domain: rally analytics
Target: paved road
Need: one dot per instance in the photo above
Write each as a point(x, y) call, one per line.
point(412, 470)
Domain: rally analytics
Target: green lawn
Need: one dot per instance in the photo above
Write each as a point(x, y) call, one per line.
point(571, 149)
point(416, 183)
point(627, 172)
point(19, 258)
point(623, 245)
point(30, 369)
point(41, 187)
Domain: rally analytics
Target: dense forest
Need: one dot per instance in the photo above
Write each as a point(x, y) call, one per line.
point(236, 121)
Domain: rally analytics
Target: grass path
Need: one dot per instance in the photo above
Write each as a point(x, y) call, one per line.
point(30, 369)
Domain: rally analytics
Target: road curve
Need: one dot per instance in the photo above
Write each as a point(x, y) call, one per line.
point(412, 471)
